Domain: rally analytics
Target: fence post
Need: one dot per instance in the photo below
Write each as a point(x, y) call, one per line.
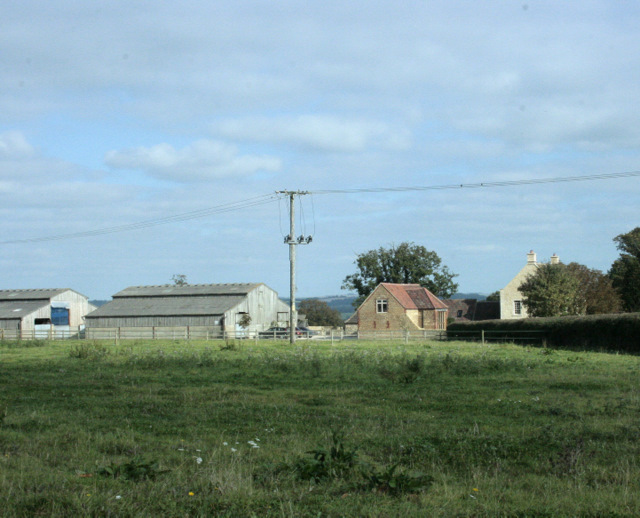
point(483, 337)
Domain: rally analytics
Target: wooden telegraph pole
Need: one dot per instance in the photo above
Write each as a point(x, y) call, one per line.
point(292, 241)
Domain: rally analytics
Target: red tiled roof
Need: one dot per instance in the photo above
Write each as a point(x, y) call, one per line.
point(414, 296)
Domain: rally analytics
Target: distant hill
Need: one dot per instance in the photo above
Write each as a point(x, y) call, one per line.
point(343, 303)
point(477, 296)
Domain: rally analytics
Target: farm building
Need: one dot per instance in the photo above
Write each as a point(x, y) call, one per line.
point(42, 312)
point(461, 310)
point(191, 310)
point(401, 308)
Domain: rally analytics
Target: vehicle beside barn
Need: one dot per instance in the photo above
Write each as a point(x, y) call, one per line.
point(189, 311)
point(42, 313)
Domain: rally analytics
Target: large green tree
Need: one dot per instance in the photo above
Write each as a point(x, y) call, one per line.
point(625, 271)
point(596, 292)
point(319, 313)
point(406, 263)
point(552, 291)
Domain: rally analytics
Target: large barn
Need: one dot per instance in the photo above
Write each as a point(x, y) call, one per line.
point(191, 310)
point(42, 313)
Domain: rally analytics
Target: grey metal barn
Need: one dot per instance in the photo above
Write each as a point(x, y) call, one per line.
point(42, 313)
point(192, 311)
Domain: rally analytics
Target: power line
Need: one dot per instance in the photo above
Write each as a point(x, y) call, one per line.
point(482, 184)
point(278, 195)
point(185, 216)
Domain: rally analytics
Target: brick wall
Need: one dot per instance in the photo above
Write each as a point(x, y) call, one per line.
point(395, 319)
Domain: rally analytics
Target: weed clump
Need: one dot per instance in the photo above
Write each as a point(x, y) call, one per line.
point(334, 462)
point(134, 470)
point(88, 351)
point(339, 462)
point(403, 370)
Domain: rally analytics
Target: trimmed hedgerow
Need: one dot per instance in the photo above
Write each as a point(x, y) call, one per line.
point(619, 332)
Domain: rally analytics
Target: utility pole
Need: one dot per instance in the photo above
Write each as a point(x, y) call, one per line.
point(293, 242)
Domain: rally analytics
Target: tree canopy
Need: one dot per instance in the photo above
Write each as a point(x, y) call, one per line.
point(179, 279)
point(625, 271)
point(572, 289)
point(597, 294)
point(319, 313)
point(552, 291)
point(406, 263)
point(494, 297)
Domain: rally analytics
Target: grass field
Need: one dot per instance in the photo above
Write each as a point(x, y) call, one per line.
point(364, 429)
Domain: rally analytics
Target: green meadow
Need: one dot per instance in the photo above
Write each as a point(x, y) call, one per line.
point(314, 429)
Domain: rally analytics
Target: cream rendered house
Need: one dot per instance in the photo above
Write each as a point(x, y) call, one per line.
point(511, 306)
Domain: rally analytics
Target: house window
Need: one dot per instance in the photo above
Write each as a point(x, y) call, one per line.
point(517, 307)
point(459, 313)
point(382, 305)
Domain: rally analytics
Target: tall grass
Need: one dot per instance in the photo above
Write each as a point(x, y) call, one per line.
point(201, 429)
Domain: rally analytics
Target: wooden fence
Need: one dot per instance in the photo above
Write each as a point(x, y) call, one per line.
point(209, 333)
point(73, 333)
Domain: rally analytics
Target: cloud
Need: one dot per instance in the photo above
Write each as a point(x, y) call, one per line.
point(14, 145)
point(316, 132)
point(203, 160)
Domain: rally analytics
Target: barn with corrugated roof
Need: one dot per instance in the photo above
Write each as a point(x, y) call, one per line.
point(198, 310)
point(41, 313)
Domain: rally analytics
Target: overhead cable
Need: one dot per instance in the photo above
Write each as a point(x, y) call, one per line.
point(506, 183)
point(185, 216)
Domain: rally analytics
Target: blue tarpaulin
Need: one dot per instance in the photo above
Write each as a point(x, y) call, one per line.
point(60, 316)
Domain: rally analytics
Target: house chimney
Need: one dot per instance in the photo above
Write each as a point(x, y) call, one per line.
point(531, 257)
point(555, 259)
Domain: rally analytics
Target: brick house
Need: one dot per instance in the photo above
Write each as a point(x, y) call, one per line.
point(401, 307)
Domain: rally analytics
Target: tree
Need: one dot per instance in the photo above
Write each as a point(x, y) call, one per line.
point(494, 297)
point(179, 280)
point(625, 271)
point(406, 263)
point(319, 313)
point(596, 290)
point(552, 291)
point(245, 320)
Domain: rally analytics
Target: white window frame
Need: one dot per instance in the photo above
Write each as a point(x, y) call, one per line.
point(517, 307)
point(382, 306)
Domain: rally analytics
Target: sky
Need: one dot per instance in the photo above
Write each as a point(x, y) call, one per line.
point(124, 120)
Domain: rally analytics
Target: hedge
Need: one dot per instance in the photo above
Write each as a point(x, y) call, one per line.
point(618, 332)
